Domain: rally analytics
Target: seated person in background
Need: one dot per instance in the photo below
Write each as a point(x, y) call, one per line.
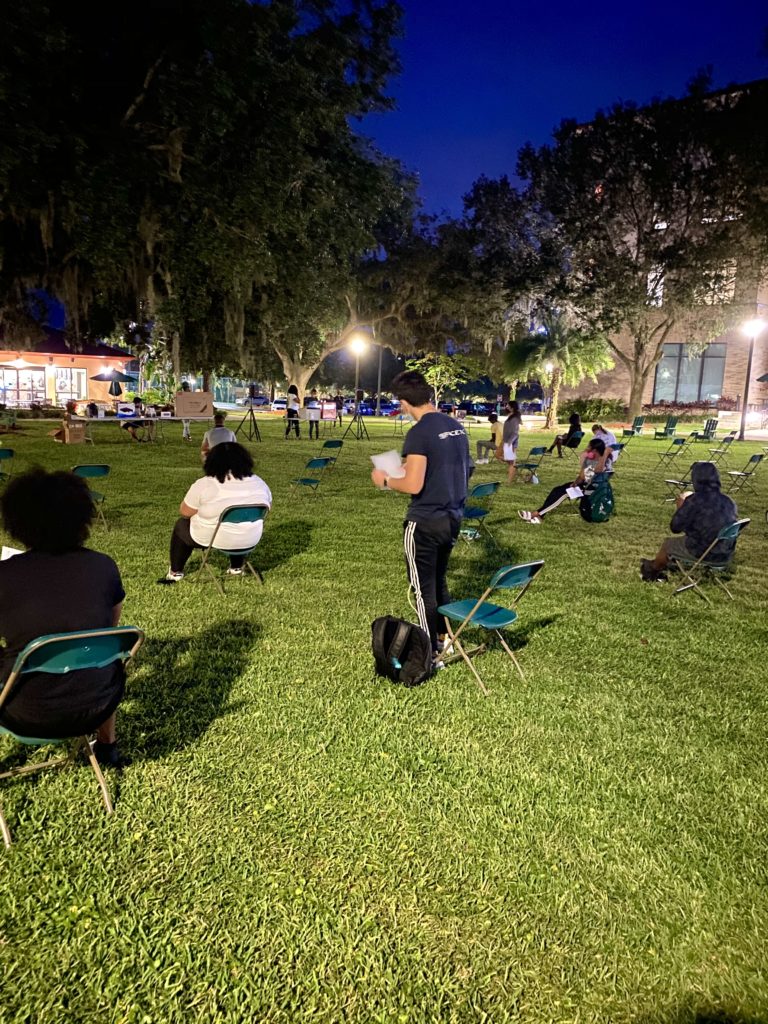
point(574, 426)
point(483, 447)
point(92, 411)
point(57, 586)
point(607, 438)
point(229, 480)
point(700, 516)
point(594, 460)
point(216, 435)
point(133, 425)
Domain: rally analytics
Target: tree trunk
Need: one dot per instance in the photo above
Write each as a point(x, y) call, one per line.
point(637, 379)
point(206, 380)
point(557, 381)
point(296, 373)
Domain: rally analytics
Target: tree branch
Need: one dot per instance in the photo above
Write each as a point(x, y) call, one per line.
point(143, 94)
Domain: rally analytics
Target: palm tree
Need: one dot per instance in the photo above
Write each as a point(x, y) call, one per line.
point(556, 353)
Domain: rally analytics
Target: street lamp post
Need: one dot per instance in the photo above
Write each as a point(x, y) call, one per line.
point(357, 346)
point(752, 328)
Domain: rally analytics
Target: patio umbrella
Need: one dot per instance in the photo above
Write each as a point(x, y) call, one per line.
point(115, 378)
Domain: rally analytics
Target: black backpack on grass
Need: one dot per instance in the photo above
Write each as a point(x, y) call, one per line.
point(402, 651)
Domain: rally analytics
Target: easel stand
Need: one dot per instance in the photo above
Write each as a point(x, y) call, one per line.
point(358, 428)
point(253, 426)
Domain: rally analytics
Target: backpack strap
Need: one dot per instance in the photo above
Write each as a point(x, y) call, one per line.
point(398, 641)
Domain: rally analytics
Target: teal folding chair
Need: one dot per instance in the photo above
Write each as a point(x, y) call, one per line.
point(328, 450)
point(234, 514)
point(675, 450)
point(617, 449)
point(571, 446)
point(95, 472)
point(317, 468)
point(720, 454)
point(668, 430)
point(533, 460)
point(677, 487)
point(475, 515)
point(6, 457)
point(695, 570)
point(741, 478)
point(57, 654)
point(479, 613)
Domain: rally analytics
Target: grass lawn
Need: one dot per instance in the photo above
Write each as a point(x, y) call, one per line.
point(297, 840)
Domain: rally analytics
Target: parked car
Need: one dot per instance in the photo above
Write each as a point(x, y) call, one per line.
point(279, 405)
point(477, 408)
point(257, 401)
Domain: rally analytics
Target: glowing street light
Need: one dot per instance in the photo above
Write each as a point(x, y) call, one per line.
point(358, 344)
point(751, 329)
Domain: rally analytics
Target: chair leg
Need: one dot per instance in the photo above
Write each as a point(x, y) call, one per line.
point(99, 774)
point(508, 649)
point(6, 832)
point(255, 572)
point(457, 644)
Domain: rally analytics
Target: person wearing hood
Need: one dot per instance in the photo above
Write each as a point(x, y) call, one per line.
point(700, 516)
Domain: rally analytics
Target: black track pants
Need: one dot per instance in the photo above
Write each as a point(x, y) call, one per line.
point(428, 547)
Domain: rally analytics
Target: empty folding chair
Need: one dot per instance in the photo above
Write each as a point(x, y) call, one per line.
point(6, 455)
point(235, 514)
point(617, 449)
point(696, 569)
point(529, 468)
point(57, 655)
point(476, 513)
point(90, 473)
point(315, 467)
point(720, 454)
point(679, 486)
point(741, 478)
point(479, 613)
point(668, 430)
point(332, 450)
point(676, 448)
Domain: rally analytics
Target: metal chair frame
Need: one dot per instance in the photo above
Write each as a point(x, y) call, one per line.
point(507, 578)
point(678, 446)
point(478, 513)
point(32, 659)
point(90, 472)
point(714, 569)
point(539, 453)
point(312, 482)
point(741, 478)
point(241, 513)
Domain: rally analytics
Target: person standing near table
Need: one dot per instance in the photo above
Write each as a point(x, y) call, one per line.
point(312, 405)
point(186, 433)
point(437, 469)
point(292, 411)
point(339, 400)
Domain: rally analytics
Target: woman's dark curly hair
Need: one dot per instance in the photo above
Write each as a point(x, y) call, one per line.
point(49, 512)
point(228, 459)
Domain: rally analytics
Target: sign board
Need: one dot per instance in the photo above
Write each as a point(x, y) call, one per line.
point(126, 409)
point(194, 403)
point(327, 410)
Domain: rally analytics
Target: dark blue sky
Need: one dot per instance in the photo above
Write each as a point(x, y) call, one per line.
point(482, 77)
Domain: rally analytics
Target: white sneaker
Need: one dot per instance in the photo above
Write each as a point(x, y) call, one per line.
point(481, 462)
point(234, 572)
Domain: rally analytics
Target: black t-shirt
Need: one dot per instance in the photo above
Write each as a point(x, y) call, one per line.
point(443, 441)
point(42, 593)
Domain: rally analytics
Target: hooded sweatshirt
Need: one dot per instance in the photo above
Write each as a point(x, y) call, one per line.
point(704, 513)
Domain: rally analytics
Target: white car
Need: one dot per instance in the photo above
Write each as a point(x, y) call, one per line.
point(279, 405)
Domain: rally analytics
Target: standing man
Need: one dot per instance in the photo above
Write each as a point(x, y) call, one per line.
point(437, 467)
point(339, 400)
point(186, 433)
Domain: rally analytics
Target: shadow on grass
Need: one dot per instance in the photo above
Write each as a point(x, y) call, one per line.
point(180, 686)
point(704, 1015)
point(281, 542)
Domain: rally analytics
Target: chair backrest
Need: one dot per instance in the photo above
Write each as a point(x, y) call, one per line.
point(710, 426)
point(333, 444)
point(677, 442)
point(755, 461)
point(90, 471)
point(671, 422)
point(317, 463)
point(512, 576)
point(244, 514)
point(575, 439)
point(59, 653)
point(637, 422)
point(732, 532)
point(484, 490)
point(618, 447)
point(7, 453)
point(538, 450)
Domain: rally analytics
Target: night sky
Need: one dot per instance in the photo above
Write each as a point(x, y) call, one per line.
point(482, 77)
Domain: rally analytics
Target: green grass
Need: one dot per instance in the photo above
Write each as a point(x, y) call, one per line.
point(299, 841)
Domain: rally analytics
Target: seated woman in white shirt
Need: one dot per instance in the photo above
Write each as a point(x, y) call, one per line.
point(229, 480)
point(218, 434)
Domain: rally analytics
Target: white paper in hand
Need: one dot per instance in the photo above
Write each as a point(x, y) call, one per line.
point(574, 492)
point(9, 553)
point(390, 462)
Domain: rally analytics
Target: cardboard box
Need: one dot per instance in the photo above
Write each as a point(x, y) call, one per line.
point(69, 433)
point(194, 403)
